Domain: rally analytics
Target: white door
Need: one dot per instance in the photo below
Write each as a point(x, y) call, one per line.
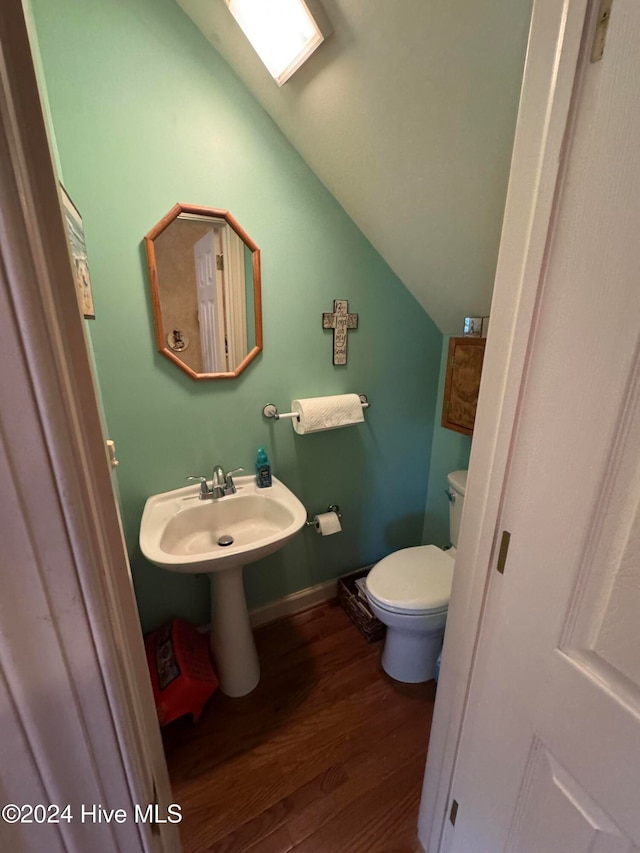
point(549, 758)
point(235, 297)
point(210, 304)
point(78, 720)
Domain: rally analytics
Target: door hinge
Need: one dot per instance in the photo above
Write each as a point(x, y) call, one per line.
point(111, 451)
point(600, 35)
point(220, 262)
point(452, 363)
point(453, 814)
point(504, 548)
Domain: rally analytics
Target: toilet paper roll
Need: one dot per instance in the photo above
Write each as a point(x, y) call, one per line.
point(320, 413)
point(327, 523)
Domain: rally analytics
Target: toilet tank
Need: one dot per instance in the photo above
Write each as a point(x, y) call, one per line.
point(457, 488)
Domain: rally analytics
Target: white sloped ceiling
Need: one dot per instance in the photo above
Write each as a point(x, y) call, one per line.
point(406, 113)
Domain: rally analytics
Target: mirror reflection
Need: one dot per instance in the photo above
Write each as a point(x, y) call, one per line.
point(205, 281)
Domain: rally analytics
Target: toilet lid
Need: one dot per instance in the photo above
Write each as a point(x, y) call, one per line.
point(413, 580)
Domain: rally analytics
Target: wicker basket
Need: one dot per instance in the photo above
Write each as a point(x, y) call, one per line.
point(358, 610)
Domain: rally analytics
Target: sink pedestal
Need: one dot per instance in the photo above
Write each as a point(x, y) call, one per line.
point(232, 644)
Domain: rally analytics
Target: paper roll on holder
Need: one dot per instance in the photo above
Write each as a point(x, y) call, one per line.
point(310, 522)
point(271, 410)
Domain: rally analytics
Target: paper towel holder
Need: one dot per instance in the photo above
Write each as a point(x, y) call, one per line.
point(271, 410)
point(333, 508)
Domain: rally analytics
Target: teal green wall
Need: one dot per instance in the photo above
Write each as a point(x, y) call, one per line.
point(146, 113)
point(449, 452)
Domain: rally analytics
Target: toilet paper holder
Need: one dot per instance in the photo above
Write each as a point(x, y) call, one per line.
point(333, 508)
point(271, 410)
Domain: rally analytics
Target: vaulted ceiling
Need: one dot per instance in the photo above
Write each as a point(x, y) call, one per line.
point(406, 113)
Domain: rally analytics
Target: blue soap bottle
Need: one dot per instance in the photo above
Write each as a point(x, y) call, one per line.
point(263, 469)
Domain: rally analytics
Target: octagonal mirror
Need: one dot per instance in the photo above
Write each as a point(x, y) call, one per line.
point(204, 272)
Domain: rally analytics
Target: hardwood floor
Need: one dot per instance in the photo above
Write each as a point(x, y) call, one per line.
point(325, 756)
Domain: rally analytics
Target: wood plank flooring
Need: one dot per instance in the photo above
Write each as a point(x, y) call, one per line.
point(325, 756)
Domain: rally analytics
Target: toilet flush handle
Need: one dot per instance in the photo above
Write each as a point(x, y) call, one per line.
point(451, 495)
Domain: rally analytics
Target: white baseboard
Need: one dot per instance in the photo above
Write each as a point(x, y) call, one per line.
point(287, 606)
point(293, 603)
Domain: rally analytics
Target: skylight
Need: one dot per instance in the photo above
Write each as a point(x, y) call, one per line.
point(282, 32)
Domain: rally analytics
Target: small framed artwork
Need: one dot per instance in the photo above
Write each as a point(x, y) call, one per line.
point(78, 248)
point(472, 327)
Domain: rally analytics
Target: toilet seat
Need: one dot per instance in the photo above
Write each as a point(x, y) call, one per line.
point(413, 581)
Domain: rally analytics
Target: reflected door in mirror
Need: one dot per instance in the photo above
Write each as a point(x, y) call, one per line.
point(205, 282)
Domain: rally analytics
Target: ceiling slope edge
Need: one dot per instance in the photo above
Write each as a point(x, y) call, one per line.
point(408, 121)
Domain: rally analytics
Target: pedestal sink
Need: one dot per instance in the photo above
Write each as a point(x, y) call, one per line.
point(182, 533)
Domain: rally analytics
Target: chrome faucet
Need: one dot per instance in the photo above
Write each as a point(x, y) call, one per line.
point(221, 484)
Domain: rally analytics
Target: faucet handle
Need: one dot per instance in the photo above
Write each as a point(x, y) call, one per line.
point(230, 486)
point(204, 489)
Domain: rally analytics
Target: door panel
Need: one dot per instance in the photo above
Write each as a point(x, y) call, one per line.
point(606, 621)
point(553, 805)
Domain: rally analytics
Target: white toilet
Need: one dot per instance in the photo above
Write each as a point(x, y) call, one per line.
point(409, 592)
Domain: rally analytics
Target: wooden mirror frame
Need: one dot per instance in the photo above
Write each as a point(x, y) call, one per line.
point(161, 343)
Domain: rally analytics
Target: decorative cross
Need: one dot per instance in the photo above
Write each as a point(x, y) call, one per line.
point(340, 321)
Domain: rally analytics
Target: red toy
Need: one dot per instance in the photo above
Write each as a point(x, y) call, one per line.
point(181, 673)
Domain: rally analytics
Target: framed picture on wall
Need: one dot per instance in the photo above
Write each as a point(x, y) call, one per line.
point(472, 327)
point(78, 248)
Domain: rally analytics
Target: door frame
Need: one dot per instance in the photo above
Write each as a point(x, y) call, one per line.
point(94, 732)
point(543, 129)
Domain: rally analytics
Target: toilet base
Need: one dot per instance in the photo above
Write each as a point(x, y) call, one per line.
point(410, 656)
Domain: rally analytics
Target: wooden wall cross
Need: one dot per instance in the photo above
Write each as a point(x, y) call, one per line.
point(340, 321)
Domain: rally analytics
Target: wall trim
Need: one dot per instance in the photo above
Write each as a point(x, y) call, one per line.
point(296, 602)
point(289, 605)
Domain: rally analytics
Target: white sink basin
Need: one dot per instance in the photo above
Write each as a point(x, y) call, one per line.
point(181, 533)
